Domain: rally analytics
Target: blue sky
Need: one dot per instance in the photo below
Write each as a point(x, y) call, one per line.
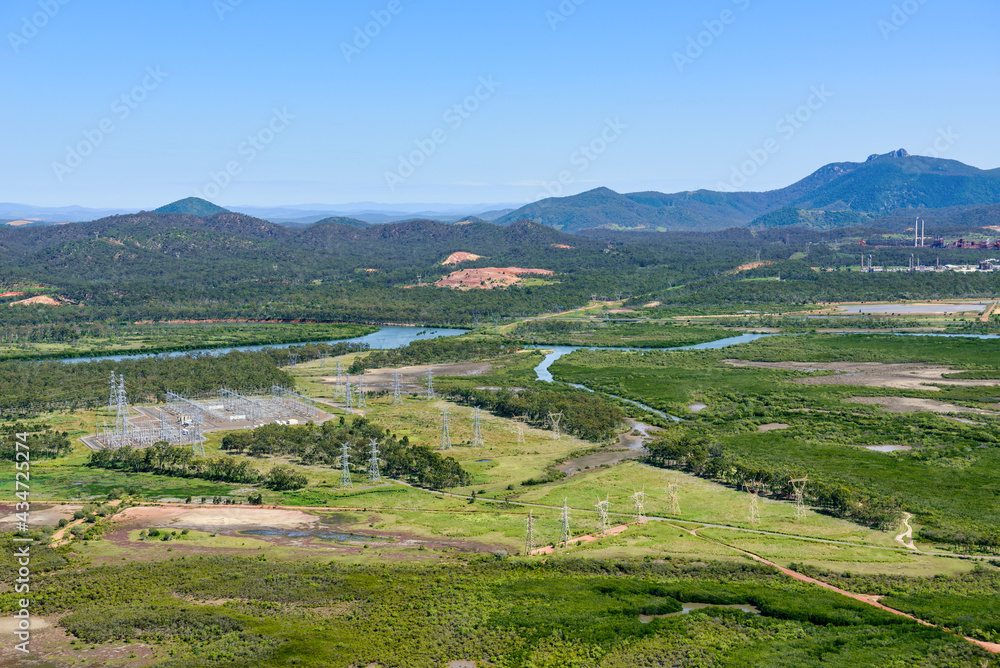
point(253, 102)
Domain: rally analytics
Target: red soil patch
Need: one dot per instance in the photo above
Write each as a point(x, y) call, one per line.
point(613, 531)
point(12, 294)
point(488, 278)
point(459, 258)
point(751, 265)
point(43, 300)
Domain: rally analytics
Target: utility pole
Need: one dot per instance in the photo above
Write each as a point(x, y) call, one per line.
point(445, 431)
point(374, 474)
point(345, 467)
point(477, 430)
point(397, 395)
point(555, 418)
point(799, 488)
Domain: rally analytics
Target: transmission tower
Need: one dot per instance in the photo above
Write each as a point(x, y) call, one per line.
point(477, 429)
point(639, 506)
point(519, 422)
point(361, 392)
point(374, 474)
point(121, 405)
point(567, 535)
point(337, 383)
point(293, 359)
point(397, 395)
point(555, 418)
point(348, 395)
point(445, 432)
point(430, 383)
point(345, 467)
point(673, 501)
point(754, 488)
point(529, 538)
point(113, 397)
point(603, 523)
point(799, 487)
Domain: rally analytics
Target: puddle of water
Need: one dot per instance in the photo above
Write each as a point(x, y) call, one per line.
point(888, 448)
point(321, 535)
point(964, 421)
point(483, 461)
point(689, 607)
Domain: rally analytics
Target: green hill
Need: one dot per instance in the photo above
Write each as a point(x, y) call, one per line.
point(193, 206)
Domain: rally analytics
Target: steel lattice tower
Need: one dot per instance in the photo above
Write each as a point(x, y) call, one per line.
point(567, 534)
point(639, 506)
point(348, 396)
point(477, 429)
point(603, 522)
point(519, 423)
point(397, 394)
point(799, 487)
point(340, 372)
point(345, 467)
point(113, 397)
point(430, 383)
point(555, 418)
point(445, 431)
point(374, 474)
point(529, 537)
point(361, 392)
point(753, 488)
point(673, 501)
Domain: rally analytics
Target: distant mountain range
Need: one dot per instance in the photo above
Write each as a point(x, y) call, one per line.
point(837, 195)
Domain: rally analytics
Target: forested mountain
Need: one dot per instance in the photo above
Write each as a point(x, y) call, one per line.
point(836, 195)
point(193, 206)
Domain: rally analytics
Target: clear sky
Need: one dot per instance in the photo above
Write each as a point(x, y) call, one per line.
point(284, 102)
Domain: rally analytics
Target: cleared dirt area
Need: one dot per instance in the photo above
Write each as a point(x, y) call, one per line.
point(871, 374)
point(563, 246)
point(414, 378)
point(42, 300)
point(751, 265)
point(771, 426)
point(488, 278)
point(39, 515)
point(460, 257)
point(212, 517)
point(911, 405)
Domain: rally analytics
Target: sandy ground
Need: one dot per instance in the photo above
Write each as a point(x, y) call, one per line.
point(50, 647)
point(459, 258)
point(871, 374)
point(910, 405)
point(488, 278)
point(43, 300)
point(414, 378)
point(563, 246)
point(209, 518)
point(39, 515)
point(771, 426)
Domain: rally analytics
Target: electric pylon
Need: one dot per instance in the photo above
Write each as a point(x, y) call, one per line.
point(397, 394)
point(430, 383)
point(345, 467)
point(477, 430)
point(361, 392)
point(753, 488)
point(348, 395)
point(445, 431)
point(639, 506)
point(603, 522)
point(519, 421)
point(799, 487)
point(338, 389)
point(529, 538)
point(673, 501)
point(555, 418)
point(374, 474)
point(567, 535)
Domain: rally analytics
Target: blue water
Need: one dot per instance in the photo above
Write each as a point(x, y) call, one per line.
point(385, 338)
